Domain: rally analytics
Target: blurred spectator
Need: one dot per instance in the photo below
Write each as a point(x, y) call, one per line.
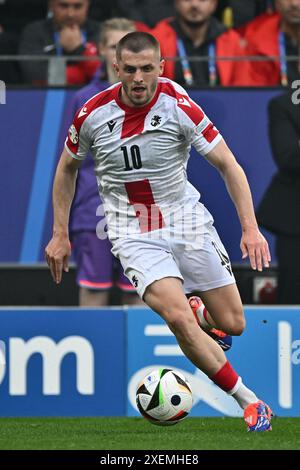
point(195, 32)
point(279, 211)
point(151, 12)
point(147, 11)
point(95, 262)
point(67, 32)
point(277, 35)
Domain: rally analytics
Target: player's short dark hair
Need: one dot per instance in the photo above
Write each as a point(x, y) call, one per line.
point(137, 41)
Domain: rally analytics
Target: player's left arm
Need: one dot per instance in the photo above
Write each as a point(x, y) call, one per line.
point(253, 243)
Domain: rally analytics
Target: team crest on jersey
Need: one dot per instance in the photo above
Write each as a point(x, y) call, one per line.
point(155, 121)
point(73, 134)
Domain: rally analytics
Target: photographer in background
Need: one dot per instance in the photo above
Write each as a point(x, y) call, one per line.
point(279, 211)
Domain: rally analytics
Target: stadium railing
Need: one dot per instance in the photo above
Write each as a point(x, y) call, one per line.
point(57, 64)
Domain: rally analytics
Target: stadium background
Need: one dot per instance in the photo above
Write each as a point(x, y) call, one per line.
point(57, 360)
point(34, 123)
point(68, 375)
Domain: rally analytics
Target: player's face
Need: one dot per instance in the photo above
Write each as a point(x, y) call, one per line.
point(289, 10)
point(139, 73)
point(108, 49)
point(69, 12)
point(195, 12)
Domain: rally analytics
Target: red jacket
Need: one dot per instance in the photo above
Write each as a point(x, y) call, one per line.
point(261, 36)
point(227, 44)
point(82, 72)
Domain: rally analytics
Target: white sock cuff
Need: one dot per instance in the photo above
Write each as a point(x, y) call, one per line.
point(236, 387)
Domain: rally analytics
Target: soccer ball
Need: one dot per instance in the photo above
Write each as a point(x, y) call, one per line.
point(164, 397)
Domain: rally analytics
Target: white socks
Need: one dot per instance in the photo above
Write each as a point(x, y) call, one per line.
point(243, 395)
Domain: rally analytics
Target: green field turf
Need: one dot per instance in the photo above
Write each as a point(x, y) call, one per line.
point(137, 433)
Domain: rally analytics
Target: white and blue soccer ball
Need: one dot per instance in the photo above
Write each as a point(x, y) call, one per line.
point(164, 397)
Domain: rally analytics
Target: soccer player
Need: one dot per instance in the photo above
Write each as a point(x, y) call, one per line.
point(94, 260)
point(140, 132)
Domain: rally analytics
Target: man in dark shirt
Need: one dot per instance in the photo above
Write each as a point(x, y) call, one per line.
point(67, 32)
point(195, 32)
point(196, 41)
point(279, 209)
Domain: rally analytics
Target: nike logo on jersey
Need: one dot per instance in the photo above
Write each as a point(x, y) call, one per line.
point(83, 112)
point(111, 124)
point(183, 101)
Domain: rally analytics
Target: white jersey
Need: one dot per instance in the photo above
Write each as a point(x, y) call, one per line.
point(141, 155)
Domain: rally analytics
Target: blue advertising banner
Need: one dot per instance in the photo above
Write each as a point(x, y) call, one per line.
point(88, 362)
point(34, 124)
point(267, 356)
point(62, 362)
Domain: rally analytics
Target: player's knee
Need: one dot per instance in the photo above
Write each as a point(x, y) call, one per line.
point(236, 326)
point(180, 323)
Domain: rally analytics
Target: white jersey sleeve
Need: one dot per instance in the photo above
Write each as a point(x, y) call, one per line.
point(197, 127)
point(78, 143)
point(82, 132)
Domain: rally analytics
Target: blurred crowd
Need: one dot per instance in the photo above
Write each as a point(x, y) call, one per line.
point(205, 42)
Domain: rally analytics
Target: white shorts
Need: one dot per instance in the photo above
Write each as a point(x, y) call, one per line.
point(201, 265)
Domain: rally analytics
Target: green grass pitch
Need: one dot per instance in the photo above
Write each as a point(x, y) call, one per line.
point(137, 433)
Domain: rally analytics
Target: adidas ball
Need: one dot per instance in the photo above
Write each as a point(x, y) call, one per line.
point(164, 397)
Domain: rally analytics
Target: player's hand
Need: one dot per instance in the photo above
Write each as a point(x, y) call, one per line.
point(57, 254)
point(254, 245)
point(70, 38)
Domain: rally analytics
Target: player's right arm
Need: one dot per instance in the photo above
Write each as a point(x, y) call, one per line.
point(58, 249)
point(76, 148)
